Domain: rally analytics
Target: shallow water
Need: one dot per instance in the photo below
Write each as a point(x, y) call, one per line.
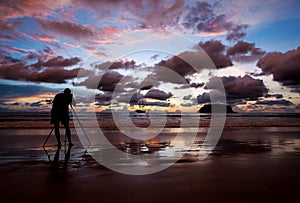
point(22, 137)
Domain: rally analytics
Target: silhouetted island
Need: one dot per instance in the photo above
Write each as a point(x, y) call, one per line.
point(217, 108)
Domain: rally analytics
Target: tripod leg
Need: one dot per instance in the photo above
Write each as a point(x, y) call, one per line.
point(82, 129)
point(48, 137)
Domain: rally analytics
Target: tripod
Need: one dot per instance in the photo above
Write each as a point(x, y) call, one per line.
point(89, 143)
point(50, 135)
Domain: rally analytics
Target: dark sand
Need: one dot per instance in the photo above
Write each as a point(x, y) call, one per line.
point(249, 179)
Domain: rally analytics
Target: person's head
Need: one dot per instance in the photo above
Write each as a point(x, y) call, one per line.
point(67, 91)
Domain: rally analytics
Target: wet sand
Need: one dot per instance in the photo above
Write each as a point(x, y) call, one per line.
point(251, 178)
point(246, 166)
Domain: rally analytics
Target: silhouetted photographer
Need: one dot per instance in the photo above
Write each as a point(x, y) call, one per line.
point(60, 114)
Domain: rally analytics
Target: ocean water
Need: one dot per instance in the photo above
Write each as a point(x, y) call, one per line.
point(273, 135)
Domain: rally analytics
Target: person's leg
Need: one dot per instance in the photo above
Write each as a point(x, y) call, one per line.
point(68, 133)
point(57, 134)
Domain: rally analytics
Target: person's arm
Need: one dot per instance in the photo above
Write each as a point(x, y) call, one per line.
point(72, 101)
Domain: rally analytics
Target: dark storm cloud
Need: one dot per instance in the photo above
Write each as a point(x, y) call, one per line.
point(178, 65)
point(216, 51)
point(55, 75)
point(240, 87)
point(58, 61)
point(22, 71)
point(202, 17)
point(245, 52)
point(189, 62)
point(105, 82)
point(158, 94)
point(281, 102)
point(197, 85)
point(236, 89)
point(283, 66)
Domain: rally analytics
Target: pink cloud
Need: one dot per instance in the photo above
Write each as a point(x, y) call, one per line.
point(68, 29)
point(29, 8)
point(44, 38)
point(245, 52)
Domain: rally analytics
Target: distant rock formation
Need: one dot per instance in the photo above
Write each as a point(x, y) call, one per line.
point(217, 108)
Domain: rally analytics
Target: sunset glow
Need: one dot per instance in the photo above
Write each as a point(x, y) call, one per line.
point(254, 46)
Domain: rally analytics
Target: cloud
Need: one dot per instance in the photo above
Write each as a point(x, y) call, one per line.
point(68, 29)
point(154, 103)
point(57, 75)
point(237, 32)
point(51, 73)
point(277, 96)
point(17, 9)
point(216, 51)
point(105, 82)
point(283, 66)
point(158, 94)
point(36, 104)
point(245, 52)
point(103, 99)
point(188, 97)
point(202, 17)
point(236, 88)
point(189, 62)
point(9, 30)
point(197, 85)
point(88, 35)
point(280, 102)
point(177, 64)
point(44, 38)
point(144, 14)
point(29, 8)
point(120, 64)
point(194, 85)
point(42, 55)
point(58, 61)
point(12, 49)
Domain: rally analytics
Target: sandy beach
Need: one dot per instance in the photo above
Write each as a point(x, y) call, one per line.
point(249, 164)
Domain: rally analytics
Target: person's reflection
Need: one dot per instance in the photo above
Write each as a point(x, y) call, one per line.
point(59, 169)
point(67, 157)
point(56, 164)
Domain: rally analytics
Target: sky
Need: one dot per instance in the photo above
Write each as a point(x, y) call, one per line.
point(165, 55)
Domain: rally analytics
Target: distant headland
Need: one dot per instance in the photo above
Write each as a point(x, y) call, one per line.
point(218, 108)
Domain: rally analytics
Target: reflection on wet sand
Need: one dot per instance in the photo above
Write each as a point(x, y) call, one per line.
point(59, 168)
